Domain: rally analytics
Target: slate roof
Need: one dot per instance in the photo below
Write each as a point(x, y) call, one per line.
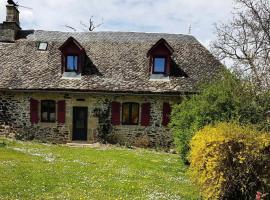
point(116, 62)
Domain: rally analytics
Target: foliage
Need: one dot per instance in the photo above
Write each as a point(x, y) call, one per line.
point(105, 126)
point(21, 135)
point(142, 141)
point(118, 138)
point(229, 161)
point(224, 99)
point(2, 143)
point(245, 41)
point(30, 170)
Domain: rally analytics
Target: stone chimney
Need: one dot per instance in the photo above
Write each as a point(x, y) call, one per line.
point(10, 27)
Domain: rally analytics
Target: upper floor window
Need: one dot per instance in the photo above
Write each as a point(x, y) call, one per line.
point(72, 63)
point(73, 56)
point(48, 111)
point(160, 58)
point(159, 65)
point(130, 114)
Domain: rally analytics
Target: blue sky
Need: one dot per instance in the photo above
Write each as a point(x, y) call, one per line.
point(169, 16)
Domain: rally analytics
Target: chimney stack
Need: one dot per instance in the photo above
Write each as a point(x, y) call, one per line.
point(10, 27)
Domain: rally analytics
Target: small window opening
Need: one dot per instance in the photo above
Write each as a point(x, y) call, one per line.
point(42, 46)
point(159, 65)
point(72, 63)
point(130, 114)
point(48, 113)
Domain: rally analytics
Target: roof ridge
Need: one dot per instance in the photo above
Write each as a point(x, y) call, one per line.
point(119, 32)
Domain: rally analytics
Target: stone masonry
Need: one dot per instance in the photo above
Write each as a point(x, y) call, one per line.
point(15, 118)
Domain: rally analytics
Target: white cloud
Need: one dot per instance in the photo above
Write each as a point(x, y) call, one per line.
point(171, 16)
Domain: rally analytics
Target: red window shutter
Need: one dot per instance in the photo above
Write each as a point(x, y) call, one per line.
point(116, 113)
point(145, 115)
point(166, 114)
point(34, 111)
point(61, 112)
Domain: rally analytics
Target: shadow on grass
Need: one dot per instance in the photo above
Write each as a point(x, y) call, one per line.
point(2, 144)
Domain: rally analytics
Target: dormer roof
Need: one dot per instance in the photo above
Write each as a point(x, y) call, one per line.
point(71, 42)
point(162, 43)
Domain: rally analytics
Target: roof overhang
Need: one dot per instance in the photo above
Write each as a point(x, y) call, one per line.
point(75, 91)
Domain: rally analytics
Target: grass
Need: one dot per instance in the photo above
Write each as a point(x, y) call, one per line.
point(40, 171)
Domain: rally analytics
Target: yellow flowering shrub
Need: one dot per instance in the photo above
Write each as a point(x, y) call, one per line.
point(229, 161)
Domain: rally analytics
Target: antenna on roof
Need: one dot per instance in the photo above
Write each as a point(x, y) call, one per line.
point(189, 29)
point(25, 7)
point(11, 2)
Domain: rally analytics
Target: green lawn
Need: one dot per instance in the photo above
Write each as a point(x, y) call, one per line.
point(40, 171)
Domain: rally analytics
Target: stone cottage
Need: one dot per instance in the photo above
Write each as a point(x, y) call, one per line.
point(62, 87)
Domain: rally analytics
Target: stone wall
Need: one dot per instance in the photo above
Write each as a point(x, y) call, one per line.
point(15, 118)
point(157, 133)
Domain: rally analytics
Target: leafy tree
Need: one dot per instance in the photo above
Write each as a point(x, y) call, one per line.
point(225, 99)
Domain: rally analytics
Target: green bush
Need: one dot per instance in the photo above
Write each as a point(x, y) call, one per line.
point(2, 144)
point(229, 161)
point(142, 141)
point(117, 138)
point(225, 99)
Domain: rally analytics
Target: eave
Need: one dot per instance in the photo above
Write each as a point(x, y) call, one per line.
point(105, 92)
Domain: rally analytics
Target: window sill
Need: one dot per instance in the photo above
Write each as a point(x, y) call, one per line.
point(130, 125)
point(159, 77)
point(47, 124)
point(71, 75)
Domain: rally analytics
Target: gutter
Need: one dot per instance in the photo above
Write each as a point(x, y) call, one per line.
point(74, 91)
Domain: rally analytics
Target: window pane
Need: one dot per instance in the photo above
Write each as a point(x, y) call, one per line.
point(52, 117)
point(48, 111)
point(75, 62)
point(159, 64)
point(42, 46)
point(52, 107)
point(135, 114)
point(44, 116)
point(130, 113)
point(72, 63)
point(125, 114)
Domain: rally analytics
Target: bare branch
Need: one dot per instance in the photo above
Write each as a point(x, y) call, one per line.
point(70, 27)
point(92, 25)
point(246, 41)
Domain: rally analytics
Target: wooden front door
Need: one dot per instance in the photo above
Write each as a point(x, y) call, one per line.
point(80, 123)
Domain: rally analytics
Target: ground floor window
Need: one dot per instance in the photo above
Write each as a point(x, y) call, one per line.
point(48, 113)
point(130, 113)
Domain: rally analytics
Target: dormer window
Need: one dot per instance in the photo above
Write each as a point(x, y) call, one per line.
point(72, 63)
point(73, 55)
point(160, 58)
point(159, 65)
